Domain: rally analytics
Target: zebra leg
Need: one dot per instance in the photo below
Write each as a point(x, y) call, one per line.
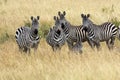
point(77, 47)
point(29, 50)
point(25, 49)
point(98, 46)
point(20, 49)
point(70, 45)
point(97, 43)
point(91, 43)
point(35, 48)
point(59, 48)
point(54, 48)
point(108, 44)
point(112, 42)
point(80, 47)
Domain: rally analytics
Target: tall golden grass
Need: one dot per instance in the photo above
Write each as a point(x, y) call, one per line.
point(62, 65)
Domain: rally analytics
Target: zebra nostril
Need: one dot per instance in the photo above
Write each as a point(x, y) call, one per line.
point(85, 28)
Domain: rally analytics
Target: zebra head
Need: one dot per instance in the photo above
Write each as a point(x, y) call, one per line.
point(62, 19)
point(59, 27)
point(85, 21)
point(62, 15)
point(57, 21)
point(35, 25)
point(35, 22)
point(65, 25)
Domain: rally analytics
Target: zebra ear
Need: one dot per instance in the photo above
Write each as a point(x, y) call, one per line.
point(31, 17)
point(64, 13)
point(38, 17)
point(59, 13)
point(58, 21)
point(88, 15)
point(82, 15)
point(55, 18)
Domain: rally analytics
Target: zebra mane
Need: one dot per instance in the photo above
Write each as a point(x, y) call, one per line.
point(91, 23)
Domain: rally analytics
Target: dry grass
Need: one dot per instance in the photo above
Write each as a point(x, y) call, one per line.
point(45, 64)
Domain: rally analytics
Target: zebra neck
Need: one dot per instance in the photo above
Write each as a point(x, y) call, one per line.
point(91, 26)
point(67, 28)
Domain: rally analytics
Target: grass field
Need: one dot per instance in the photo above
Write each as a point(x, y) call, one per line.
point(46, 64)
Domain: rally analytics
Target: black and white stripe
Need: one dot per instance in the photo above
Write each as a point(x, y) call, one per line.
point(27, 37)
point(99, 33)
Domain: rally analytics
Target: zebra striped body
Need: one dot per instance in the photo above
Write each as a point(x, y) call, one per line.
point(99, 33)
point(75, 35)
point(55, 38)
point(27, 37)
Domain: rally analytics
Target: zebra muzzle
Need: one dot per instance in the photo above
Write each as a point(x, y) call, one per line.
point(62, 26)
point(58, 31)
point(36, 31)
point(85, 28)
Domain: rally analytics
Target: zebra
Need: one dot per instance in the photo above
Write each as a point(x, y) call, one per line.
point(56, 38)
point(75, 35)
point(99, 33)
point(27, 37)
